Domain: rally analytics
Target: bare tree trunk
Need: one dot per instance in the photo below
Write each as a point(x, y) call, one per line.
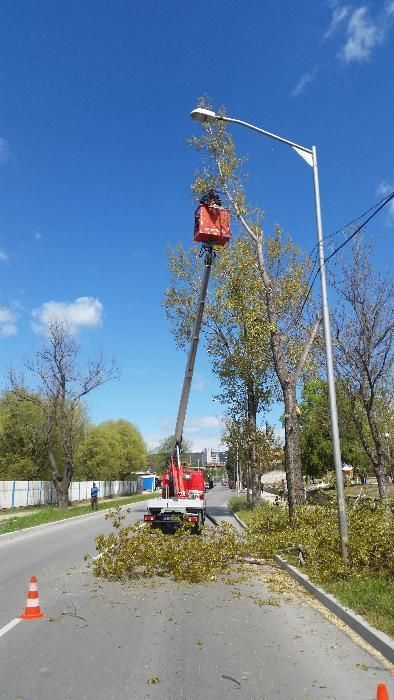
point(61, 482)
point(295, 484)
point(248, 489)
point(62, 495)
point(252, 429)
point(379, 463)
point(378, 456)
point(381, 478)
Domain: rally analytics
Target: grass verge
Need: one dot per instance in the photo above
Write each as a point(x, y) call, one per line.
point(366, 585)
point(370, 596)
point(50, 514)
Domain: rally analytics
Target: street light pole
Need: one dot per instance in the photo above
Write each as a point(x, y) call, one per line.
point(310, 156)
point(332, 400)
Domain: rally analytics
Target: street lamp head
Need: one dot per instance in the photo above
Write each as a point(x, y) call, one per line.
point(203, 115)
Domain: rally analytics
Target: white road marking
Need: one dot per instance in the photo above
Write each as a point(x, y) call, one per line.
point(10, 625)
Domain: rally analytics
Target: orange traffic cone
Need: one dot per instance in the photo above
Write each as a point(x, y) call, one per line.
point(32, 609)
point(382, 693)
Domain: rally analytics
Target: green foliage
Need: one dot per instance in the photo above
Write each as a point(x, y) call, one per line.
point(371, 535)
point(134, 552)
point(238, 331)
point(109, 451)
point(316, 442)
point(23, 453)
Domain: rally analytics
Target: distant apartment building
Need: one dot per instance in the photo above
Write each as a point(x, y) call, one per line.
point(213, 457)
point(208, 456)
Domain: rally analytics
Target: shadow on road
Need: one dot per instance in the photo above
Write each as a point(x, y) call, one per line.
point(220, 511)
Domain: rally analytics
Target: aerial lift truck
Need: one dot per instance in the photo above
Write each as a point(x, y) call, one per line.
point(183, 488)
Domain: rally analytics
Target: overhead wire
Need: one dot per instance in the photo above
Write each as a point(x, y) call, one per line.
point(341, 230)
point(331, 235)
point(382, 203)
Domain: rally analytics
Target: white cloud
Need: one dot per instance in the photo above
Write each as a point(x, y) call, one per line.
point(3, 256)
point(385, 189)
point(305, 80)
point(38, 236)
point(338, 15)
point(363, 34)
point(83, 312)
point(5, 152)
point(199, 423)
point(7, 322)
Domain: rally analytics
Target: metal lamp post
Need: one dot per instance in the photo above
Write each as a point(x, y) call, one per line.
point(310, 157)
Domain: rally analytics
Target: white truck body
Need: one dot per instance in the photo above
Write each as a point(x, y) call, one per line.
point(177, 505)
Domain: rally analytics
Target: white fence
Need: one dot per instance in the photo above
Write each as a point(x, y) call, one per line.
point(15, 494)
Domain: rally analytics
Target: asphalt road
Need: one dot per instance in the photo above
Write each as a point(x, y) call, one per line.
point(249, 638)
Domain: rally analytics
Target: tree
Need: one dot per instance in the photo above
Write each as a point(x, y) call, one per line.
point(283, 274)
point(364, 333)
point(239, 439)
point(316, 443)
point(23, 453)
point(98, 456)
point(133, 449)
point(61, 385)
point(235, 329)
point(166, 447)
point(111, 450)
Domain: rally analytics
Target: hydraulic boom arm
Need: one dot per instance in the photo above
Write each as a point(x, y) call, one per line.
point(209, 254)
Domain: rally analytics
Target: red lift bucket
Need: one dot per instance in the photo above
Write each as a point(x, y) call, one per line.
point(212, 225)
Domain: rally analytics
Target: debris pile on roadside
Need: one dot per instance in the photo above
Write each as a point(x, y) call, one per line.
point(132, 552)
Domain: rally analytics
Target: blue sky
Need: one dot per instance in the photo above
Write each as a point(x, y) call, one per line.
point(95, 171)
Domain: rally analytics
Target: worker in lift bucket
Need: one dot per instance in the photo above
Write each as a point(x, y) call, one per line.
point(94, 496)
point(211, 199)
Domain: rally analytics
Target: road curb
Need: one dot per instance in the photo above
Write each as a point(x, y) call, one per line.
point(238, 519)
point(378, 640)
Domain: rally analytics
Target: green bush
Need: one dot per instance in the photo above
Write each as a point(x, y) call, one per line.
point(371, 537)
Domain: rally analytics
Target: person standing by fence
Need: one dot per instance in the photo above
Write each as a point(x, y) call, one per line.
point(94, 496)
